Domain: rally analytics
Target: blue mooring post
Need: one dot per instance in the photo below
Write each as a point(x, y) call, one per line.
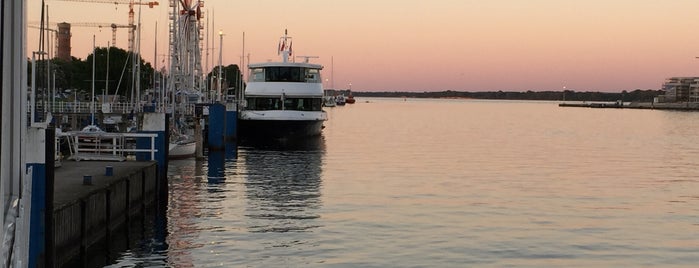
point(155, 123)
point(37, 159)
point(231, 122)
point(217, 124)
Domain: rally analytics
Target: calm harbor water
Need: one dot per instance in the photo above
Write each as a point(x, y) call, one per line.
point(443, 183)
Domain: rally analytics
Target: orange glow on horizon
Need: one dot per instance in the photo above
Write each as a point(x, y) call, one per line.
point(432, 46)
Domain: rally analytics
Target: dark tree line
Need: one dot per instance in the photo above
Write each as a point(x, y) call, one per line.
point(76, 74)
point(567, 95)
point(231, 78)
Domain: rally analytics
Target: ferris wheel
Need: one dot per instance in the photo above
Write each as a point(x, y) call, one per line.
point(185, 46)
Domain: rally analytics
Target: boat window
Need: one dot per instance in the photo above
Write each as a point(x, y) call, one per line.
point(285, 74)
point(257, 75)
point(303, 104)
point(312, 76)
point(295, 104)
point(262, 104)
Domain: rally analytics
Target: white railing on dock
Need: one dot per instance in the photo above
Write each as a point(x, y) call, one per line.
point(106, 145)
point(111, 108)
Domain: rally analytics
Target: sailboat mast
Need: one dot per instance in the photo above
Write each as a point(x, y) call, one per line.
point(138, 61)
point(206, 61)
point(92, 98)
point(106, 79)
point(155, 69)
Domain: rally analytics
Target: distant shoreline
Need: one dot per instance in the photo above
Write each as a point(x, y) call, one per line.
point(568, 95)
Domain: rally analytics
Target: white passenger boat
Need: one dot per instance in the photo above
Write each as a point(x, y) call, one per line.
point(283, 99)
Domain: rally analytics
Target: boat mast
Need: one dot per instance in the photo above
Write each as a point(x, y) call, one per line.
point(284, 46)
point(92, 97)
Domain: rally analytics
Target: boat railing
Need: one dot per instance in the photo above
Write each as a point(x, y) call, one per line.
point(107, 146)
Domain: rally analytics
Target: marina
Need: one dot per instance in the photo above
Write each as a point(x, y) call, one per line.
point(122, 151)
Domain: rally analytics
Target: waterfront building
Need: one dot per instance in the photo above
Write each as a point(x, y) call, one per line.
point(680, 89)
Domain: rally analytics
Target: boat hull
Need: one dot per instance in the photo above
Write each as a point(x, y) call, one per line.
point(260, 129)
point(182, 150)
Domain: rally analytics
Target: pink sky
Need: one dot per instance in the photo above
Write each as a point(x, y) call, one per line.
point(415, 45)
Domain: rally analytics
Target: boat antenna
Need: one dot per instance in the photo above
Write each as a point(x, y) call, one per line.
point(307, 58)
point(285, 46)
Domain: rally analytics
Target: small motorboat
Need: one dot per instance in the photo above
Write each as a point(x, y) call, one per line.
point(350, 99)
point(340, 100)
point(329, 101)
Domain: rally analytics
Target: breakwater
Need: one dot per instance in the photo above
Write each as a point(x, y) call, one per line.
point(680, 106)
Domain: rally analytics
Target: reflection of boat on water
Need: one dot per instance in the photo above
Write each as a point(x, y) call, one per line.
point(315, 143)
point(283, 183)
point(283, 99)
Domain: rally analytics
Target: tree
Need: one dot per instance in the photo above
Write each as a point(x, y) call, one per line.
point(231, 78)
point(120, 72)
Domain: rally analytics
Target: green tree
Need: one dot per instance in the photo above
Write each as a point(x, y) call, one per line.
point(120, 72)
point(231, 78)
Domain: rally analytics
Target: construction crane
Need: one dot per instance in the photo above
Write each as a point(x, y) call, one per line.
point(37, 25)
point(131, 4)
point(104, 25)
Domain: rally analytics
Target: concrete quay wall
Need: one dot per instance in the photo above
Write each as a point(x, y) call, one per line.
point(85, 214)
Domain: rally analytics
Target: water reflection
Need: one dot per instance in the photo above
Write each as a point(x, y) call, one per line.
point(216, 172)
point(282, 184)
point(316, 143)
point(184, 210)
point(216, 163)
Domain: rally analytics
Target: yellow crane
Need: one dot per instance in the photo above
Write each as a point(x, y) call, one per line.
point(131, 4)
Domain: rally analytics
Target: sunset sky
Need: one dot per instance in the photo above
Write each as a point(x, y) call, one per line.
point(416, 45)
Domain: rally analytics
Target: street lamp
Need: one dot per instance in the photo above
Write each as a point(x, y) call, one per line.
point(220, 67)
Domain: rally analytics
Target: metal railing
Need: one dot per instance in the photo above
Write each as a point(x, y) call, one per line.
point(107, 146)
point(111, 108)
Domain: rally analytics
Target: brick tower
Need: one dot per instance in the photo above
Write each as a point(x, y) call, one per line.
point(63, 41)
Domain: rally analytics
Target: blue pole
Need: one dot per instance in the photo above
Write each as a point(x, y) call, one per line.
point(36, 160)
point(217, 123)
point(231, 125)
